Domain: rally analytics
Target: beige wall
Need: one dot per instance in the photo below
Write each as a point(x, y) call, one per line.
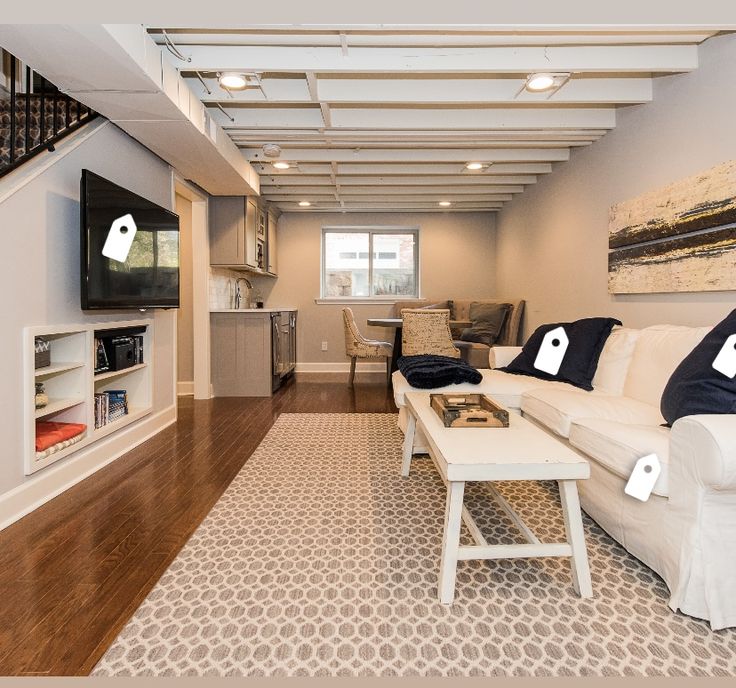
point(456, 260)
point(552, 240)
point(184, 320)
point(39, 278)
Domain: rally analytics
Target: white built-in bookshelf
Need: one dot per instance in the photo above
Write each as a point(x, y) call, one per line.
point(70, 383)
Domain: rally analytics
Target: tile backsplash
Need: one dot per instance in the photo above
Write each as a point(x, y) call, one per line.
point(222, 287)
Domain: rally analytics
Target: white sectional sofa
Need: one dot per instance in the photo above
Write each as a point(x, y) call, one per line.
point(686, 531)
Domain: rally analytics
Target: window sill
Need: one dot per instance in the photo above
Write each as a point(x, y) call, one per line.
point(358, 300)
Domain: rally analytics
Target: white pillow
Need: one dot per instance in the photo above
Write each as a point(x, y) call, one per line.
point(613, 364)
point(658, 351)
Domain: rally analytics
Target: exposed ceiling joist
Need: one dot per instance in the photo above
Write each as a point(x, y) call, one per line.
point(431, 35)
point(497, 59)
point(269, 182)
point(360, 155)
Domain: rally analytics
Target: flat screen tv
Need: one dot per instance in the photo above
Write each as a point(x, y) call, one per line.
point(129, 247)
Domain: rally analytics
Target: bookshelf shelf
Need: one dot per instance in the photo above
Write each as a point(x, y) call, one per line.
point(48, 371)
point(133, 415)
point(117, 373)
point(71, 384)
point(58, 405)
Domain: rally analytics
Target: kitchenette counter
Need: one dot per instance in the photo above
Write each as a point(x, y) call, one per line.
point(252, 310)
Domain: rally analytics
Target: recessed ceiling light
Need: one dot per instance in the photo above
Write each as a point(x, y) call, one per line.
point(304, 204)
point(445, 204)
point(474, 166)
point(233, 81)
point(540, 81)
point(282, 165)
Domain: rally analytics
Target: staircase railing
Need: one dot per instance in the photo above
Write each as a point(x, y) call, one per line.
point(34, 114)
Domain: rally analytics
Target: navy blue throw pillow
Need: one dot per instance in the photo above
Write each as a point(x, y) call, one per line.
point(564, 352)
point(431, 372)
point(705, 381)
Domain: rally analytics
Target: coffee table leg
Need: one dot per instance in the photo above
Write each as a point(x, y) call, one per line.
point(411, 428)
point(575, 537)
point(451, 541)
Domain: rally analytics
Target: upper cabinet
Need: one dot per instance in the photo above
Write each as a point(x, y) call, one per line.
point(240, 232)
point(271, 244)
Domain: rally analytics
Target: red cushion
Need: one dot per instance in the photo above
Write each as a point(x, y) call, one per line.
point(48, 433)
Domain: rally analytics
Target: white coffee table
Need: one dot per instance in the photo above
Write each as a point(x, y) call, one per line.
point(520, 452)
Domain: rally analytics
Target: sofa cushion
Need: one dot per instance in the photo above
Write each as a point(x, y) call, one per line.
point(487, 322)
point(576, 358)
point(505, 388)
point(658, 351)
point(556, 409)
point(618, 446)
point(614, 361)
point(705, 381)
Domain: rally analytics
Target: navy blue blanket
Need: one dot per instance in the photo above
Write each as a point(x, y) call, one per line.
point(430, 372)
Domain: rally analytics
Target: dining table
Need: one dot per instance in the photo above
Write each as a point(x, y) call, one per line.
point(397, 324)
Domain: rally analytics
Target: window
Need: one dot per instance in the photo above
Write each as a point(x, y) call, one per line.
point(368, 262)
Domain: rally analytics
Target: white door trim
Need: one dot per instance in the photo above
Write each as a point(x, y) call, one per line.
point(200, 286)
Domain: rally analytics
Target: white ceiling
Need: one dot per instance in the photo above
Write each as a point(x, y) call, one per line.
point(382, 118)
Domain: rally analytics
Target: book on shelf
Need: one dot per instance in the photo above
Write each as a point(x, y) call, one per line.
point(110, 406)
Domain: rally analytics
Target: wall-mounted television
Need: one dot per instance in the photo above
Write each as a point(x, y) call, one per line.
point(129, 248)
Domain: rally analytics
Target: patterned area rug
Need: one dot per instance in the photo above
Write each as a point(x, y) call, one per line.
point(320, 560)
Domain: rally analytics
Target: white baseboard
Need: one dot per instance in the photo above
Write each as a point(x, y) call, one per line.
point(52, 481)
point(337, 367)
point(185, 389)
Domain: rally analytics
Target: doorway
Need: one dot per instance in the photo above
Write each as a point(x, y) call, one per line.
point(193, 319)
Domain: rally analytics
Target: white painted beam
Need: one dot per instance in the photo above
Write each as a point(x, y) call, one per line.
point(475, 90)
point(506, 59)
point(403, 186)
point(431, 35)
point(384, 155)
point(282, 181)
point(480, 118)
point(268, 171)
point(407, 167)
point(490, 118)
point(438, 196)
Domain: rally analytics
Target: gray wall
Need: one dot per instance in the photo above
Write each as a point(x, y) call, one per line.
point(39, 280)
point(456, 260)
point(552, 240)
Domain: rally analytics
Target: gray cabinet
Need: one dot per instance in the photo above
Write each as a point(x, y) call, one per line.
point(233, 225)
point(241, 354)
point(271, 252)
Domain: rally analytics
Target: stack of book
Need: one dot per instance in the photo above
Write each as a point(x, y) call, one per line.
point(110, 406)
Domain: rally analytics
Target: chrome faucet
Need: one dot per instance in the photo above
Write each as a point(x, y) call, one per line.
point(238, 295)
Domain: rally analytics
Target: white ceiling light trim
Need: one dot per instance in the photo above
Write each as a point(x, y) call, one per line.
point(546, 82)
point(233, 81)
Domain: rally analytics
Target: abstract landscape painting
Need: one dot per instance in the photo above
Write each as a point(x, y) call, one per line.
point(678, 238)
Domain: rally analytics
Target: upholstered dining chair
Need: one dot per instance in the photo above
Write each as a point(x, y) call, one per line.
point(427, 331)
point(357, 346)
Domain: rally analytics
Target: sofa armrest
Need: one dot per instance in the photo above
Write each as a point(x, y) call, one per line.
point(703, 450)
point(500, 356)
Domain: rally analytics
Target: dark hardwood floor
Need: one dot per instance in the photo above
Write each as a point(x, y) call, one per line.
point(74, 571)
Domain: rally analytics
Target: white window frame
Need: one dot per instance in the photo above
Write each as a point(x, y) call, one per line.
point(371, 230)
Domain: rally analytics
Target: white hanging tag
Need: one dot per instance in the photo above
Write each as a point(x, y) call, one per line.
point(120, 238)
point(643, 477)
point(726, 360)
point(552, 351)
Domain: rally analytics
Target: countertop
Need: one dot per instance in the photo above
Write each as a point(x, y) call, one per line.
point(251, 310)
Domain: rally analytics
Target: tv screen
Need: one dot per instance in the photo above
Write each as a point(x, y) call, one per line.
point(130, 248)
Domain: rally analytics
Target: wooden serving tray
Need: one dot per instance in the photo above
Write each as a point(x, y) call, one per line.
point(469, 411)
